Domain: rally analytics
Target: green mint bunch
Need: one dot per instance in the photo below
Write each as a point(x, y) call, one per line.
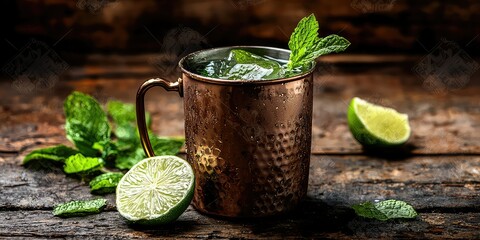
point(305, 44)
point(106, 142)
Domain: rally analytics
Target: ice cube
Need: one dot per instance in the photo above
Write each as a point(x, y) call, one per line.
point(249, 66)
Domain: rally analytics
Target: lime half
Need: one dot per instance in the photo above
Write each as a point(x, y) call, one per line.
point(374, 125)
point(156, 190)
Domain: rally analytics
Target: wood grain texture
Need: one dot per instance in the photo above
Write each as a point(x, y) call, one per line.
point(444, 190)
point(438, 171)
point(445, 123)
point(313, 223)
point(428, 183)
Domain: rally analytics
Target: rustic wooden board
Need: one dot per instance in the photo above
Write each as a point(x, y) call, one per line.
point(313, 223)
point(445, 123)
point(444, 190)
point(438, 171)
point(428, 183)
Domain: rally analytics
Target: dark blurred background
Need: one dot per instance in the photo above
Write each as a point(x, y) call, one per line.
point(76, 30)
point(136, 26)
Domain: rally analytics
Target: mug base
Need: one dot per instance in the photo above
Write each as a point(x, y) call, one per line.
point(231, 217)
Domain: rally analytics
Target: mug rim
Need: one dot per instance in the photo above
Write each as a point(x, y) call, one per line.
point(241, 81)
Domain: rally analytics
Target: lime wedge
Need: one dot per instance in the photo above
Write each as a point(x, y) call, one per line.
point(377, 126)
point(156, 190)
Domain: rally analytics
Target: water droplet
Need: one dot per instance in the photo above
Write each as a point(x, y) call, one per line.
point(216, 151)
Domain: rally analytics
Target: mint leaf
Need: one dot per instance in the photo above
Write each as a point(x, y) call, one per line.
point(86, 122)
point(161, 146)
point(124, 119)
point(121, 112)
point(396, 209)
point(108, 150)
point(368, 210)
point(331, 44)
point(303, 40)
point(56, 154)
point(385, 210)
point(166, 145)
point(305, 44)
point(80, 164)
point(79, 208)
point(105, 183)
point(126, 159)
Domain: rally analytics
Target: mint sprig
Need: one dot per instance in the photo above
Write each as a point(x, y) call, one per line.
point(105, 183)
point(56, 155)
point(89, 129)
point(85, 122)
point(385, 210)
point(305, 44)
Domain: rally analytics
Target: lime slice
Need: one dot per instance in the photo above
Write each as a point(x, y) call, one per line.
point(156, 190)
point(374, 125)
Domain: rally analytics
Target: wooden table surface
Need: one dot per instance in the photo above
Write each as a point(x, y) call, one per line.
point(438, 171)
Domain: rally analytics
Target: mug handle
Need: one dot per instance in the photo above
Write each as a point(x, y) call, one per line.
point(140, 106)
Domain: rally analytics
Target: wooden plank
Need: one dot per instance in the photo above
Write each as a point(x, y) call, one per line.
point(441, 124)
point(317, 222)
point(441, 183)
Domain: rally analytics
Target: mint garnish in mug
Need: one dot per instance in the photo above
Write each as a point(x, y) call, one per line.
point(305, 46)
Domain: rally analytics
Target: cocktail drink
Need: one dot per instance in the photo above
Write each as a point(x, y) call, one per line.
point(241, 64)
point(249, 139)
point(248, 118)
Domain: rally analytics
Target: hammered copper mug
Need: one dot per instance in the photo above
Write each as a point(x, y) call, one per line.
point(248, 141)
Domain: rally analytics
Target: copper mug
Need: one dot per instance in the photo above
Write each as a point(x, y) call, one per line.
point(248, 141)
